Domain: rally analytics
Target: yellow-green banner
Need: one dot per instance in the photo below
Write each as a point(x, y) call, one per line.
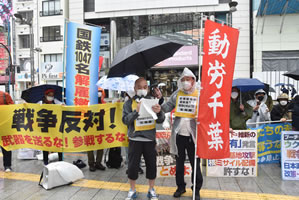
point(61, 128)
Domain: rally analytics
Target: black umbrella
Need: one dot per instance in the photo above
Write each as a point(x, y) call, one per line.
point(35, 94)
point(293, 74)
point(141, 55)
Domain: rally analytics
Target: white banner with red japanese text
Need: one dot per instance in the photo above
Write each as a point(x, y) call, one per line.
point(59, 128)
point(220, 46)
point(166, 163)
point(243, 157)
point(290, 155)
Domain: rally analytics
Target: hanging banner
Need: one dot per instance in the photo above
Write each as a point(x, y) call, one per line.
point(269, 136)
point(220, 46)
point(58, 128)
point(82, 64)
point(290, 155)
point(243, 157)
point(166, 163)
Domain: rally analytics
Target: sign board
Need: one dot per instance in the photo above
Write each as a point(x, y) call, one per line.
point(290, 155)
point(52, 70)
point(243, 157)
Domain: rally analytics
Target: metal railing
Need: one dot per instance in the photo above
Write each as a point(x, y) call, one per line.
point(51, 38)
point(44, 13)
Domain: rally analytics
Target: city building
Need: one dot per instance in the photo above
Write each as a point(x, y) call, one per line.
point(179, 20)
point(276, 41)
point(39, 35)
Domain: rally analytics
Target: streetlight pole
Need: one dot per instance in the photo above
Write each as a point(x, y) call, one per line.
point(31, 40)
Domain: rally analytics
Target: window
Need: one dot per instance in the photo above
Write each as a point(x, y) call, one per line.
point(51, 8)
point(51, 33)
point(53, 58)
point(24, 41)
point(27, 15)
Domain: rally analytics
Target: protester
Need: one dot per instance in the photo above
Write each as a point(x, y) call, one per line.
point(93, 163)
point(240, 111)
point(142, 139)
point(49, 99)
point(184, 130)
point(5, 99)
point(128, 96)
point(294, 107)
point(261, 112)
point(280, 112)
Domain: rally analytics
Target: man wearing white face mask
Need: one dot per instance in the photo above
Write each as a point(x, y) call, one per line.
point(142, 139)
point(183, 135)
point(280, 112)
point(261, 112)
point(239, 112)
point(49, 99)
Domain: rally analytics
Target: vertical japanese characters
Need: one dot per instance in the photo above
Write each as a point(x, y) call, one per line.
point(220, 44)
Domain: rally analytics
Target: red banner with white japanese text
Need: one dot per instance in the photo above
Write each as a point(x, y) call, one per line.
point(220, 46)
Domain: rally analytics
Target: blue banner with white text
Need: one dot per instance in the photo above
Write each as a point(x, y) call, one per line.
point(82, 64)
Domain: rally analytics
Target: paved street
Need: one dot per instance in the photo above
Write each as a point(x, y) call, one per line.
point(22, 183)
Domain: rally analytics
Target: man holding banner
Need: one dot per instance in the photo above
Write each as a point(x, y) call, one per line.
point(142, 139)
point(184, 101)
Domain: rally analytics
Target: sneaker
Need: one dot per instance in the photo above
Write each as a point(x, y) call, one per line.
point(140, 170)
point(131, 195)
point(152, 194)
point(7, 169)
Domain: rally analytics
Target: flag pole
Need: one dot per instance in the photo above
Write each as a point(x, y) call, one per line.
point(199, 76)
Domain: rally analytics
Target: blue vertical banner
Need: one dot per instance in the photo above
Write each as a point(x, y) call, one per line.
point(82, 64)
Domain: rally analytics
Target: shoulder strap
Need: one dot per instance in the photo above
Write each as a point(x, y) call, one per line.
point(40, 179)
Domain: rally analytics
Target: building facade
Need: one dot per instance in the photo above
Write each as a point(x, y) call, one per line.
point(44, 21)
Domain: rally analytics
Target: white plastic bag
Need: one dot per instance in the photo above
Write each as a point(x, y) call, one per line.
point(58, 174)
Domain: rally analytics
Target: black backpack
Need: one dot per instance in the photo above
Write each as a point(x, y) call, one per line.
point(114, 158)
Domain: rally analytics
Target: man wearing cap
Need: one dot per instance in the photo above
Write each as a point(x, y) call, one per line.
point(280, 112)
point(261, 112)
point(49, 99)
point(184, 101)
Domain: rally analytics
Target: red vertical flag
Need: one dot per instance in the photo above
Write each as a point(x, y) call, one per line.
point(220, 45)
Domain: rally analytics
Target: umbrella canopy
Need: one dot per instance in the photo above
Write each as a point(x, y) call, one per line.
point(268, 88)
point(139, 56)
point(248, 84)
point(36, 94)
point(293, 74)
point(116, 83)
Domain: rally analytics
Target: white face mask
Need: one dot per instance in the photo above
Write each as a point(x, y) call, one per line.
point(50, 98)
point(186, 85)
point(283, 103)
point(234, 95)
point(99, 94)
point(141, 93)
point(126, 98)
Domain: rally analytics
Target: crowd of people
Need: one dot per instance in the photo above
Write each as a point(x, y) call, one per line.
point(142, 131)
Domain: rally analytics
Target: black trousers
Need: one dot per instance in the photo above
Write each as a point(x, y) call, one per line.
point(186, 143)
point(6, 157)
point(148, 150)
point(46, 158)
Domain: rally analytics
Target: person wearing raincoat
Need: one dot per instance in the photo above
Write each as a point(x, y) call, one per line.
point(261, 112)
point(184, 129)
point(240, 111)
